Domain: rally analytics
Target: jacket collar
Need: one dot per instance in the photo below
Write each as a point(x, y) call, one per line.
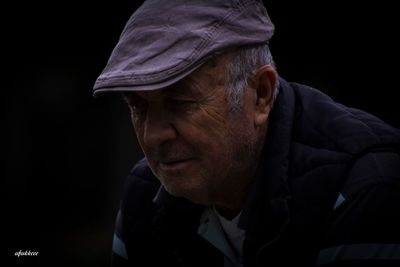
point(267, 205)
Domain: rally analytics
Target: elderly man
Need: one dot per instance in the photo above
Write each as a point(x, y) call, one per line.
point(242, 168)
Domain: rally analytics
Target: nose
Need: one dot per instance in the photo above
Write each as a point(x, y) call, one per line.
point(158, 127)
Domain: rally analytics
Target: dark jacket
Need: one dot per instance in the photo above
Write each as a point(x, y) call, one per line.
point(327, 194)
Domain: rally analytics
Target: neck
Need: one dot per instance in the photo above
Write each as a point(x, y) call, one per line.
point(227, 213)
point(233, 201)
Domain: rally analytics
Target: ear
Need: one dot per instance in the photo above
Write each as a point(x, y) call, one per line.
point(266, 80)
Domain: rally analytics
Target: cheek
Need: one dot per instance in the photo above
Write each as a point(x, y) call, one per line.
point(211, 140)
point(211, 121)
point(203, 132)
point(219, 136)
point(138, 130)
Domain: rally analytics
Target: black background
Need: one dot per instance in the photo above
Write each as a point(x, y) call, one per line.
point(66, 154)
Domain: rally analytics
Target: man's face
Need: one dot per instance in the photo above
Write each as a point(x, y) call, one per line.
point(194, 144)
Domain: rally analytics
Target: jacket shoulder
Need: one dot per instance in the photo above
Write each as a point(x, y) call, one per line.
point(328, 139)
point(139, 190)
point(323, 123)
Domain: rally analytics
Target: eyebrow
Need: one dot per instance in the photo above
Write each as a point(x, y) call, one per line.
point(181, 88)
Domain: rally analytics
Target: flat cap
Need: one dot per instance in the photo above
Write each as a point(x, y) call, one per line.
point(166, 40)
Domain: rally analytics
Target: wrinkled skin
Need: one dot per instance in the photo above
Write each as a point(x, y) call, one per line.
point(196, 146)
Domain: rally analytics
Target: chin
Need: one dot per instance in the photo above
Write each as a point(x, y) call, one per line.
point(191, 193)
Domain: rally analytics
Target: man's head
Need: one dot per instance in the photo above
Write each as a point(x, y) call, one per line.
point(203, 135)
point(200, 95)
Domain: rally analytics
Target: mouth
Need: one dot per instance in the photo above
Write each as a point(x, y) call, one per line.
point(174, 166)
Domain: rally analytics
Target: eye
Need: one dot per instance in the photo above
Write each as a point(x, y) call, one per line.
point(139, 108)
point(180, 104)
point(137, 105)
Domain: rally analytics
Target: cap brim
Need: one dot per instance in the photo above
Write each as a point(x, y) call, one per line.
point(149, 87)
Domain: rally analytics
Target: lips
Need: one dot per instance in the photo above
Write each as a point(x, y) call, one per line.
point(174, 161)
point(173, 157)
point(173, 166)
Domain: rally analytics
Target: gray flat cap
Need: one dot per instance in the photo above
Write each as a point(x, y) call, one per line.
point(166, 40)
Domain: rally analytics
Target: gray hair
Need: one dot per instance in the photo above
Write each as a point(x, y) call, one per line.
point(241, 67)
